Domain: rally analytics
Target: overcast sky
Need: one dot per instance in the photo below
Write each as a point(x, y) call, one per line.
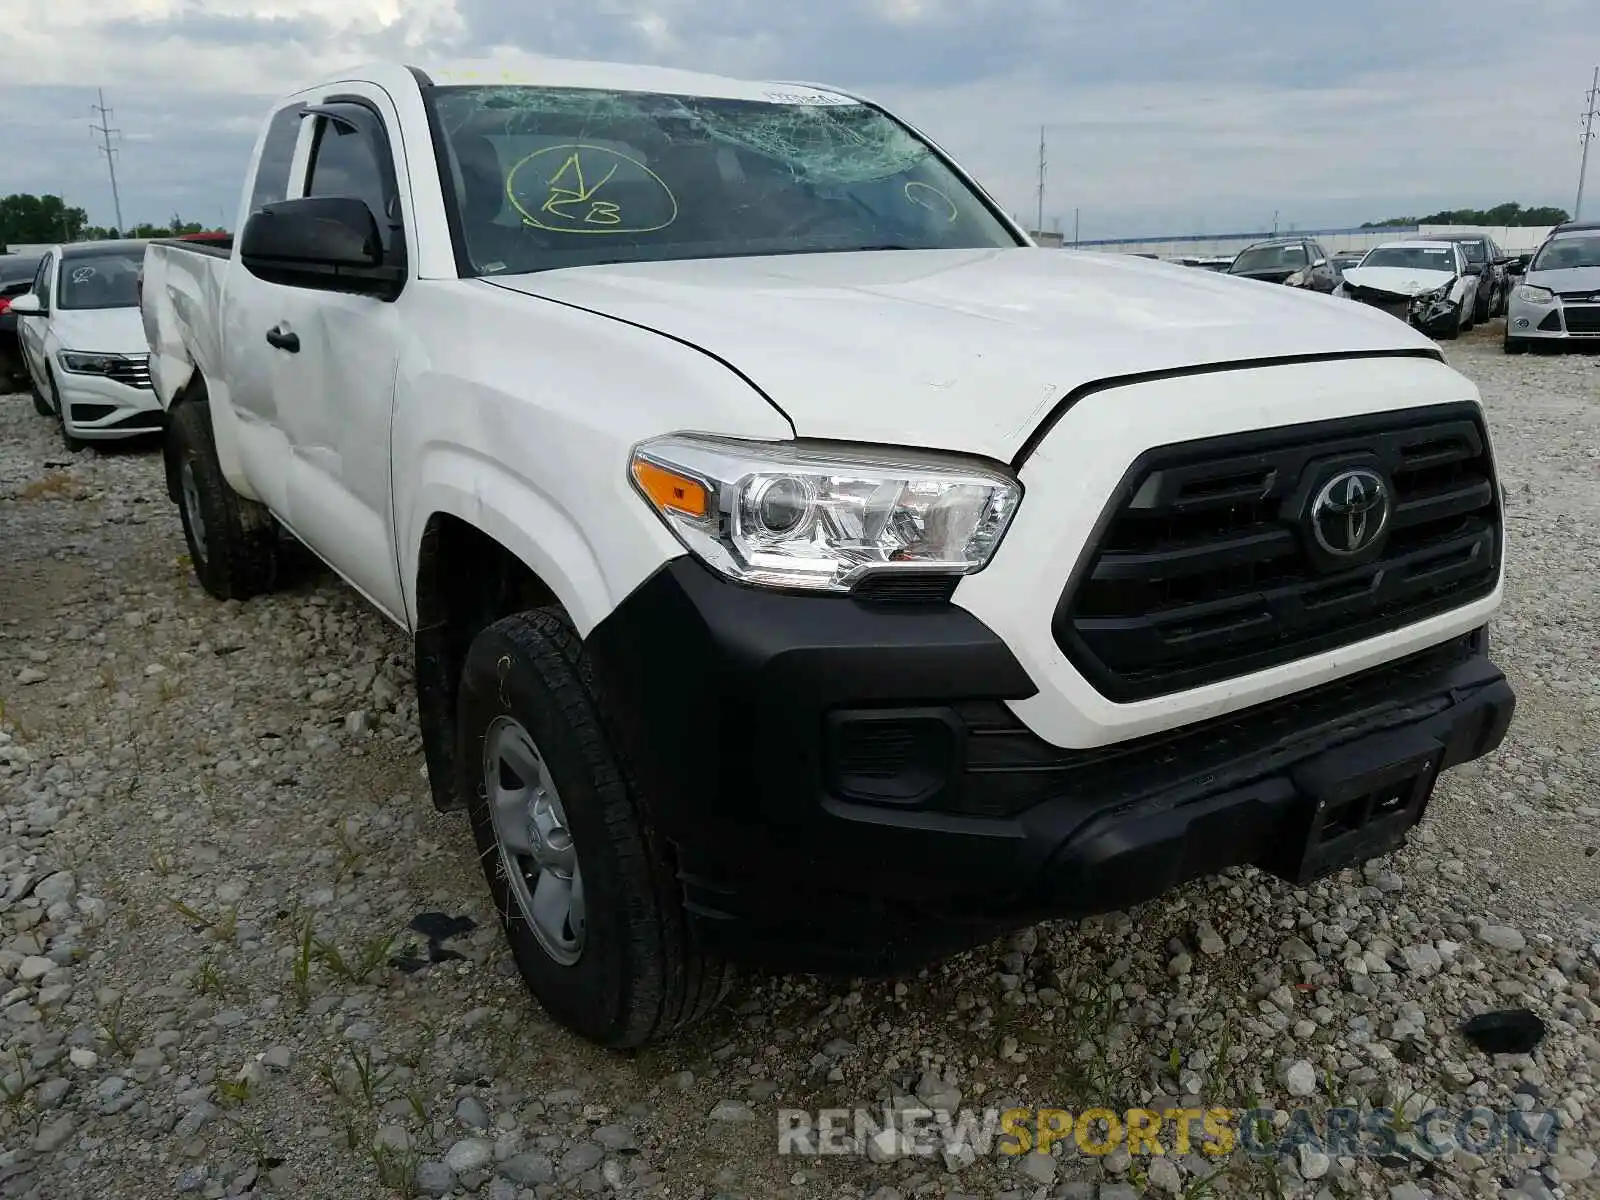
point(1163, 116)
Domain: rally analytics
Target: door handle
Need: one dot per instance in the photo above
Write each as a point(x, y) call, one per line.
point(282, 337)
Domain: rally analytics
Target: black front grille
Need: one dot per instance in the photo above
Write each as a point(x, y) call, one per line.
point(1390, 302)
point(135, 372)
point(1583, 319)
point(1203, 567)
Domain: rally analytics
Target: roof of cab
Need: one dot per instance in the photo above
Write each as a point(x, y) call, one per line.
point(531, 71)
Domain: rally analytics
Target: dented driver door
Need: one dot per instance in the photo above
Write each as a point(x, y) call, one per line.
point(337, 357)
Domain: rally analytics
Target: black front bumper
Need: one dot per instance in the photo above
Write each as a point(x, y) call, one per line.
point(844, 787)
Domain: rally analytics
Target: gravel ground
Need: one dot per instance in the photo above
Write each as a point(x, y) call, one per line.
point(241, 955)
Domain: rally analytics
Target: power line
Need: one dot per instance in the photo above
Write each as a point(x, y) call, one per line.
point(1588, 136)
point(1043, 164)
point(105, 131)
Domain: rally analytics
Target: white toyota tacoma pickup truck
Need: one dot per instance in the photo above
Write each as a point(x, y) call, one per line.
point(804, 567)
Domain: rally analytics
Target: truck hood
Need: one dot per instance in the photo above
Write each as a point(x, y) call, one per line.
point(961, 350)
point(1401, 281)
point(99, 330)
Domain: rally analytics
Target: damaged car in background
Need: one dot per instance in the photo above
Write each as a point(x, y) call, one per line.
point(1428, 284)
point(1487, 262)
point(1558, 300)
point(1293, 261)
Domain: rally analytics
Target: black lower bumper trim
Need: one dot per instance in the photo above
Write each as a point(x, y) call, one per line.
point(941, 821)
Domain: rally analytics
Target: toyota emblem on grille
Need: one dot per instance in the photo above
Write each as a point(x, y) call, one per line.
point(1351, 512)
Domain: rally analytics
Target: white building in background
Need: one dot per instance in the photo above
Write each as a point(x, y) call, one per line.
point(1514, 239)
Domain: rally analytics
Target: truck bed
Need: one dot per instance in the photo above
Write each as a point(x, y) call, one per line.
point(180, 301)
point(217, 245)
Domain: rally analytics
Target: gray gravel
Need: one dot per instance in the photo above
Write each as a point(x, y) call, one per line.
point(215, 836)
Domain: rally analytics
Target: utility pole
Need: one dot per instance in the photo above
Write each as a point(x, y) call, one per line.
point(1588, 136)
point(105, 131)
point(1042, 164)
point(1074, 227)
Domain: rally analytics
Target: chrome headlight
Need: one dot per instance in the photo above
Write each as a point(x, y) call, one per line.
point(819, 517)
point(1531, 293)
point(80, 363)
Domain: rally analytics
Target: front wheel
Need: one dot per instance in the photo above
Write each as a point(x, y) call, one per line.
point(590, 904)
point(68, 438)
point(1515, 345)
point(233, 544)
point(41, 402)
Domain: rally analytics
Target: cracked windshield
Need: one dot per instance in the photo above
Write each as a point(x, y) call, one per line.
point(545, 178)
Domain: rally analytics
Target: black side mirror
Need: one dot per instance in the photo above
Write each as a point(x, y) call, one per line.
point(1474, 269)
point(330, 243)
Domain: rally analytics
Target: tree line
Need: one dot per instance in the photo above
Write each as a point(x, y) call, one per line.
point(1510, 213)
point(27, 219)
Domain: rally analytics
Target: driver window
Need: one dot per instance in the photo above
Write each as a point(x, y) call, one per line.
point(345, 162)
point(41, 281)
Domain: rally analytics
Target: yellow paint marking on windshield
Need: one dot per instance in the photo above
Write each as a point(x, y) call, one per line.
point(576, 191)
point(925, 195)
point(572, 204)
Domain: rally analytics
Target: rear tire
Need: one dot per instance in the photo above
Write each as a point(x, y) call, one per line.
point(233, 543)
point(618, 968)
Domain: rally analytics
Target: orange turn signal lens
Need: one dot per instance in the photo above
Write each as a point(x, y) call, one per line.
point(670, 491)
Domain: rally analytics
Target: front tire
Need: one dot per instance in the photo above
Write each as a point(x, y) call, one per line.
point(1515, 345)
point(71, 442)
point(589, 902)
point(233, 543)
point(41, 403)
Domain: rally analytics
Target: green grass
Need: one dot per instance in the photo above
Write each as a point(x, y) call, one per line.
point(370, 957)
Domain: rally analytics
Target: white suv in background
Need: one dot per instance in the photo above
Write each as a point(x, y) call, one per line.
point(84, 344)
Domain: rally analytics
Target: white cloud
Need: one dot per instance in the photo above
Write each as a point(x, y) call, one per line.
point(1161, 118)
